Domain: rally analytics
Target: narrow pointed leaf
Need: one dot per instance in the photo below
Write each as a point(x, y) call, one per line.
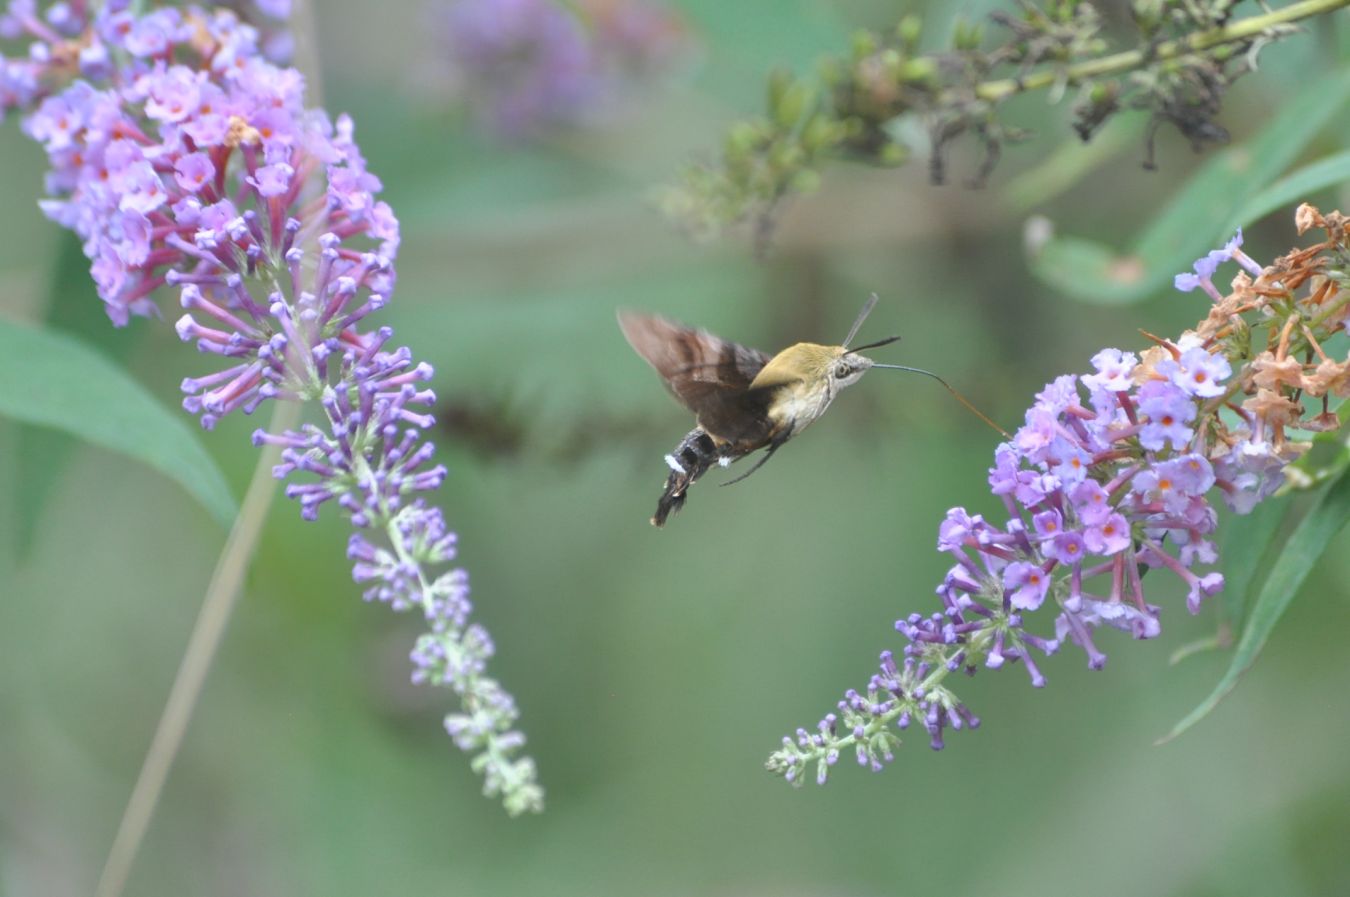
point(1295, 187)
point(1307, 542)
point(1246, 545)
point(56, 381)
point(73, 307)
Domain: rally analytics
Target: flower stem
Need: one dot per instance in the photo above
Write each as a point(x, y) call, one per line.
point(201, 649)
point(1132, 59)
point(1332, 308)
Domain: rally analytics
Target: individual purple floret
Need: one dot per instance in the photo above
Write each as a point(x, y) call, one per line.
point(1206, 266)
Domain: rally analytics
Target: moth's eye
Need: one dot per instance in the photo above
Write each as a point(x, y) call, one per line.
point(843, 371)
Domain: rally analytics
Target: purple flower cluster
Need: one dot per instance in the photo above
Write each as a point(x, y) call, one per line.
point(49, 50)
point(1108, 478)
point(194, 164)
point(79, 38)
point(899, 694)
point(527, 67)
point(272, 19)
point(1094, 488)
point(455, 652)
point(193, 174)
point(369, 457)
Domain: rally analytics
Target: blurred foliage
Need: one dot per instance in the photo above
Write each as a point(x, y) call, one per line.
point(890, 93)
point(1230, 188)
point(655, 669)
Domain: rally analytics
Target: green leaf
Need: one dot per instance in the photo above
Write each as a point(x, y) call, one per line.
point(1295, 187)
point(1068, 164)
point(56, 381)
point(1089, 271)
point(1246, 543)
point(1194, 219)
point(1326, 517)
point(73, 307)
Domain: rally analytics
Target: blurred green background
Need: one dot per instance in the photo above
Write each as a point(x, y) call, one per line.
point(655, 669)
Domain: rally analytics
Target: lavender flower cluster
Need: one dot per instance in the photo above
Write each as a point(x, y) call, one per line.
point(185, 159)
point(1111, 475)
point(528, 67)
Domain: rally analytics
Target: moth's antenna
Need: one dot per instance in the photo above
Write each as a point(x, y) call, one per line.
point(960, 398)
point(881, 342)
point(870, 304)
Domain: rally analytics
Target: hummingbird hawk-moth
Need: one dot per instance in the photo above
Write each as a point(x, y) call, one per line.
point(742, 399)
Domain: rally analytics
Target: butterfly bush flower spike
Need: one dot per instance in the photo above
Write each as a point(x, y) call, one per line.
point(1114, 473)
point(194, 164)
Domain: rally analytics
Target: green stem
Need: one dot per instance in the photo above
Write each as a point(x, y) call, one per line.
point(201, 649)
point(1132, 59)
point(1332, 308)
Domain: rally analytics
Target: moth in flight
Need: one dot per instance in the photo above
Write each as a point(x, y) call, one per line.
point(742, 399)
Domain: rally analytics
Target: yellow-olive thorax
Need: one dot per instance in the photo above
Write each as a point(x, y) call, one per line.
point(804, 379)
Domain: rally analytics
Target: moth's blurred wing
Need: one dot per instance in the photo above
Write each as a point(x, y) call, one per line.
point(708, 375)
point(685, 357)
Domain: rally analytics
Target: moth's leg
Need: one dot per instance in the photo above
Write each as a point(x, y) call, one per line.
point(773, 447)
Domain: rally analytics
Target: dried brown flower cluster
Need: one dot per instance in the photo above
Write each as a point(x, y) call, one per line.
point(1302, 300)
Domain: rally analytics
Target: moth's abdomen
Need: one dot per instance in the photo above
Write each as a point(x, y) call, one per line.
point(696, 454)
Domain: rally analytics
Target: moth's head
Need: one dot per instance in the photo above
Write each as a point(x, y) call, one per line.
point(849, 364)
point(847, 368)
point(827, 368)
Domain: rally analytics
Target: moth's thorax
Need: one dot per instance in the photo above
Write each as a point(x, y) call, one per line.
point(804, 379)
point(795, 405)
point(801, 362)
